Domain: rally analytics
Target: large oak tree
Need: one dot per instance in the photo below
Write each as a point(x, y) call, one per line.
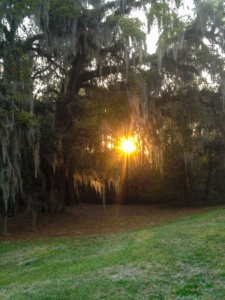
point(66, 65)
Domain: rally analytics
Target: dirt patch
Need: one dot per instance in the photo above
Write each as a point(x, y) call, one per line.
point(91, 220)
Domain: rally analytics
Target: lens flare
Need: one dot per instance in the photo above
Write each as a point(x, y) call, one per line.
point(127, 145)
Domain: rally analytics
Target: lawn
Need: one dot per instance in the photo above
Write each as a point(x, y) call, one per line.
point(180, 259)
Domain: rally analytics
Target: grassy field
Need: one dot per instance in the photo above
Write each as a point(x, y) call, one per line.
point(182, 259)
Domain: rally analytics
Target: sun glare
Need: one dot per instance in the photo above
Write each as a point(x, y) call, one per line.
point(127, 145)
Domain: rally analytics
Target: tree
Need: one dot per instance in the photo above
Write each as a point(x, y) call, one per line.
point(64, 44)
point(69, 56)
point(188, 54)
point(18, 127)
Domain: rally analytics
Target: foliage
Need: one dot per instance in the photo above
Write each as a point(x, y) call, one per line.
point(25, 118)
point(131, 27)
point(49, 51)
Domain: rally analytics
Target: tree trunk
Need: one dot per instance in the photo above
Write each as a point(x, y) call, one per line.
point(74, 77)
point(208, 186)
point(33, 208)
point(4, 224)
point(188, 185)
point(33, 218)
point(72, 198)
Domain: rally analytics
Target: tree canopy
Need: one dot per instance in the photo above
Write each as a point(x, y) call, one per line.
point(76, 78)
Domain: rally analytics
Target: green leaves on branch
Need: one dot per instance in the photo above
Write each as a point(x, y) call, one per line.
point(27, 119)
point(159, 12)
point(66, 8)
point(132, 27)
point(19, 9)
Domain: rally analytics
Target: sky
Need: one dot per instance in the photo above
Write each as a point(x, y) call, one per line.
point(152, 38)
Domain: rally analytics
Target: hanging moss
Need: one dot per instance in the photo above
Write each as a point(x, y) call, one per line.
point(17, 131)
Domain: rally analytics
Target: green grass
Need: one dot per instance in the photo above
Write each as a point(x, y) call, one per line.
point(183, 259)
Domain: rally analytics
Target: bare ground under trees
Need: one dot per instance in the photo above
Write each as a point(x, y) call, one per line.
point(91, 220)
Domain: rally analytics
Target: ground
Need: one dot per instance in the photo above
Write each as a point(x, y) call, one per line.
point(91, 220)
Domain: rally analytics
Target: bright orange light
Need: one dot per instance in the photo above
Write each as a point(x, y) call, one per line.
point(127, 145)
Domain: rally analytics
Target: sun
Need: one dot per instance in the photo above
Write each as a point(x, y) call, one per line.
point(127, 145)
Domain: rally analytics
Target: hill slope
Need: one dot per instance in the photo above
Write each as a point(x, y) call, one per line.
point(182, 259)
